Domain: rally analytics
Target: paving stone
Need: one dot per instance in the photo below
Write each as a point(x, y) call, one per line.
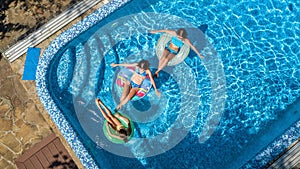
point(6, 124)
point(26, 132)
point(18, 112)
point(29, 86)
point(6, 88)
point(18, 65)
point(19, 90)
point(11, 167)
point(5, 70)
point(9, 114)
point(5, 108)
point(3, 163)
point(32, 115)
point(45, 130)
point(18, 124)
point(12, 142)
point(16, 101)
point(2, 133)
point(37, 139)
point(28, 145)
point(6, 154)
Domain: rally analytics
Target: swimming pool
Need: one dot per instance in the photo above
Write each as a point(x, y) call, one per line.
point(235, 109)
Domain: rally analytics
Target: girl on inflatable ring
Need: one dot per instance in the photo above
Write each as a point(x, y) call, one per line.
point(132, 85)
point(113, 121)
point(172, 48)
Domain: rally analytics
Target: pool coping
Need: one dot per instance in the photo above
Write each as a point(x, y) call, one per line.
point(259, 161)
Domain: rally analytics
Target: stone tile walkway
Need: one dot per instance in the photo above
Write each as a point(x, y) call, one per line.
point(21, 123)
point(23, 120)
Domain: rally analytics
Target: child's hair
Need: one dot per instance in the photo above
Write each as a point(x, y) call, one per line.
point(144, 64)
point(182, 32)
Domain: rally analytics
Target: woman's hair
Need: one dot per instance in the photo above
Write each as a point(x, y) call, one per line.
point(144, 64)
point(182, 32)
point(123, 132)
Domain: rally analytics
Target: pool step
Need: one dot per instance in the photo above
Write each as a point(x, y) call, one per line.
point(288, 159)
point(79, 73)
point(92, 53)
point(49, 29)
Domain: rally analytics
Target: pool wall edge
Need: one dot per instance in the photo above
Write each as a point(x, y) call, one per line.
point(56, 115)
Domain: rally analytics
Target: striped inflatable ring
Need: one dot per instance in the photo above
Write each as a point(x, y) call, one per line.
point(160, 47)
point(125, 74)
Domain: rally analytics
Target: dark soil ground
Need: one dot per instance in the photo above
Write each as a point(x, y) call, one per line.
point(19, 18)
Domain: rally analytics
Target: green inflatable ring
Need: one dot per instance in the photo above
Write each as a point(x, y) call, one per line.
point(115, 140)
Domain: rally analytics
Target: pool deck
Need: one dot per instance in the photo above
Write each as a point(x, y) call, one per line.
point(23, 120)
point(287, 159)
point(49, 153)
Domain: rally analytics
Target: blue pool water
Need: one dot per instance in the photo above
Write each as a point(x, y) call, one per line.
point(213, 113)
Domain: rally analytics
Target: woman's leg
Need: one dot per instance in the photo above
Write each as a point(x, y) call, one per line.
point(163, 57)
point(170, 57)
point(132, 93)
point(163, 62)
point(126, 90)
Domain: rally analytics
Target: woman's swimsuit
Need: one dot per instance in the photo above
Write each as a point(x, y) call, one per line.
point(176, 42)
point(134, 85)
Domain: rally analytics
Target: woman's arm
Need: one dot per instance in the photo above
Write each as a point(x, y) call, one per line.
point(153, 83)
point(123, 64)
point(164, 31)
point(193, 48)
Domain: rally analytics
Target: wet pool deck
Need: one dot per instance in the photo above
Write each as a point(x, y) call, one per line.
point(23, 120)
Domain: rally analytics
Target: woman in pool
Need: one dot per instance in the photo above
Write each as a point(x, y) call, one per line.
point(113, 122)
point(132, 86)
point(173, 46)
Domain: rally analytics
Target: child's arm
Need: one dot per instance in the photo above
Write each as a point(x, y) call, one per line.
point(123, 64)
point(153, 82)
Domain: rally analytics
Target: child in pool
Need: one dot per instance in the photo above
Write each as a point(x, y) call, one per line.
point(172, 48)
point(113, 122)
point(132, 86)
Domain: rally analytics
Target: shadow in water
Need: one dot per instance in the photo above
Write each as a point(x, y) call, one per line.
point(290, 6)
point(203, 28)
point(142, 105)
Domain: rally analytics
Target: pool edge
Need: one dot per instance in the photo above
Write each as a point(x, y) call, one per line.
point(62, 124)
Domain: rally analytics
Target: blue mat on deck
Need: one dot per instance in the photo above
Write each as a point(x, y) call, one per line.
point(32, 59)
